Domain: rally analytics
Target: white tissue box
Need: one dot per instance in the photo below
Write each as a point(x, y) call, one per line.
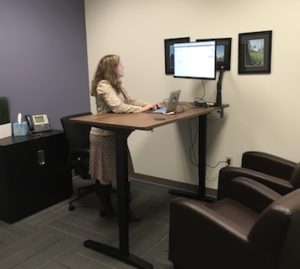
point(20, 129)
point(5, 130)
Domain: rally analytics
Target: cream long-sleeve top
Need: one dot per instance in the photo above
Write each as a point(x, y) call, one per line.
point(108, 100)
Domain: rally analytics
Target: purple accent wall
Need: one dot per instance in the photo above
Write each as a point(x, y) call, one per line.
point(43, 57)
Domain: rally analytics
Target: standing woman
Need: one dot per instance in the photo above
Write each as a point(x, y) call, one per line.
point(110, 97)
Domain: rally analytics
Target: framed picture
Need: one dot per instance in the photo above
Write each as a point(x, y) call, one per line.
point(223, 52)
point(255, 52)
point(169, 53)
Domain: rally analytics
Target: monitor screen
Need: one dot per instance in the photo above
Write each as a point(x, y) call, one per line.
point(195, 60)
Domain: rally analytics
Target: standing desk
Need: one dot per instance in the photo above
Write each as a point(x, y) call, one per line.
point(123, 125)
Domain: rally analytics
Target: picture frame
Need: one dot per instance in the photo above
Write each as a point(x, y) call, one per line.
point(223, 52)
point(255, 52)
point(169, 53)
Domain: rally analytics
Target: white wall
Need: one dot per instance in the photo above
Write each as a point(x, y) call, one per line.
point(263, 113)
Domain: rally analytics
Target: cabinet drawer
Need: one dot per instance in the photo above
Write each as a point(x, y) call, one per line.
point(33, 175)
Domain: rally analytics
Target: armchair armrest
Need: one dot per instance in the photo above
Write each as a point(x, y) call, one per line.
point(228, 173)
point(252, 193)
point(196, 228)
point(269, 164)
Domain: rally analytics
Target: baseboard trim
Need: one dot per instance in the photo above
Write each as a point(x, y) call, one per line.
point(171, 184)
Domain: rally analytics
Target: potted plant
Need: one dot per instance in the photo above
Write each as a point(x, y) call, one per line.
point(5, 125)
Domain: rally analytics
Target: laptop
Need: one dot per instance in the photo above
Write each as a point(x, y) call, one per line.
point(172, 103)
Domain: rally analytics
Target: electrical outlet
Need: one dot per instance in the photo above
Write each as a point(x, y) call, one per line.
point(228, 159)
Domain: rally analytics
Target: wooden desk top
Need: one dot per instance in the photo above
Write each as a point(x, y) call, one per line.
point(142, 121)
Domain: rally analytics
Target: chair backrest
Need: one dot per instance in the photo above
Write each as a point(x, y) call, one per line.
point(264, 162)
point(4, 110)
point(77, 134)
point(276, 232)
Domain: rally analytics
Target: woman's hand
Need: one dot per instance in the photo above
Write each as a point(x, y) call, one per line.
point(151, 106)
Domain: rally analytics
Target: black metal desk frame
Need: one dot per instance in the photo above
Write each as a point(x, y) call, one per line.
point(121, 134)
point(202, 137)
point(122, 253)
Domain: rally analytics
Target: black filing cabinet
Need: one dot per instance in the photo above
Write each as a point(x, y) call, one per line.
point(33, 174)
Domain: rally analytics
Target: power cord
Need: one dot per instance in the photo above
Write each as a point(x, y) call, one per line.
point(201, 98)
point(204, 90)
point(217, 164)
point(179, 105)
point(182, 109)
point(193, 138)
point(192, 153)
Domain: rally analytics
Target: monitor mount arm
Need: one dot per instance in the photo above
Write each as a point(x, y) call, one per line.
point(219, 92)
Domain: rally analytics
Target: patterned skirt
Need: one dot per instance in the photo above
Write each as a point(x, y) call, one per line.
point(103, 159)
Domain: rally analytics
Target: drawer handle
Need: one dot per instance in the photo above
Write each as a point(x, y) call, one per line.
point(41, 157)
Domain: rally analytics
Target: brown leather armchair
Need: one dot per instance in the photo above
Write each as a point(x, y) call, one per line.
point(277, 173)
point(254, 227)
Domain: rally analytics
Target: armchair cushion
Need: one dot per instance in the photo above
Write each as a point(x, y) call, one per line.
point(251, 193)
point(236, 213)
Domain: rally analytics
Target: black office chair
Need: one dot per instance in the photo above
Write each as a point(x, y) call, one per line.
point(78, 157)
point(4, 110)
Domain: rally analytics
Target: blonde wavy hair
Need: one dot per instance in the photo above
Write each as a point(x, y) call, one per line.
point(107, 69)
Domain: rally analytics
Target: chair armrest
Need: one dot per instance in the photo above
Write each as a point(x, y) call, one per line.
point(78, 160)
point(252, 193)
point(196, 228)
point(269, 164)
point(228, 173)
point(79, 154)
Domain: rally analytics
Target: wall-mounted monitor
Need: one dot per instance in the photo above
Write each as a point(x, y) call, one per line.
point(195, 60)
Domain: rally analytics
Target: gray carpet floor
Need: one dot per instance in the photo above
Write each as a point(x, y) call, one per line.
point(53, 238)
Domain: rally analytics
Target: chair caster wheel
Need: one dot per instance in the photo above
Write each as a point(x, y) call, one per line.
point(71, 207)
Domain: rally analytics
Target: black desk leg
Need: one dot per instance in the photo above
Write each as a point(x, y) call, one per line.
point(121, 253)
point(200, 195)
point(202, 121)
